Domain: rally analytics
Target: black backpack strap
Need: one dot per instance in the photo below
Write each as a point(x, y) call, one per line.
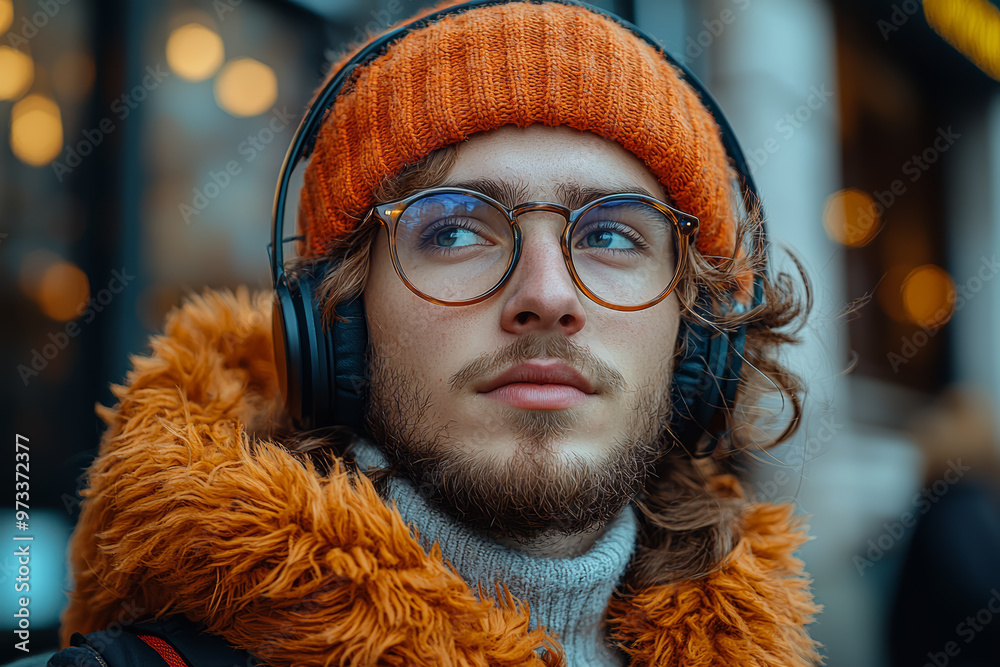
point(106, 648)
point(196, 647)
point(152, 644)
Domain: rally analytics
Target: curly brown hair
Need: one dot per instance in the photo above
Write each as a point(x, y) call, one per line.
point(690, 506)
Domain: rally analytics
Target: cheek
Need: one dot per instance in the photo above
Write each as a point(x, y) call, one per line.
point(430, 343)
point(641, 343)
point(424, 340)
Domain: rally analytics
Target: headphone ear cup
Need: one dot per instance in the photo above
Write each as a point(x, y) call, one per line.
point(300, 352)
point(321, 373)
point(288, 354)
point(348, 344)
point(705, 382)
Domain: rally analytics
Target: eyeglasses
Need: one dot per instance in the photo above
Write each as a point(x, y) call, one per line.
point(457, 247)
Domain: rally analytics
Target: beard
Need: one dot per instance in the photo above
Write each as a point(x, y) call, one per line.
point(530, 490)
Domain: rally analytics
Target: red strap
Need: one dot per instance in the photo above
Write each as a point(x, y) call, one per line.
point(166, 651)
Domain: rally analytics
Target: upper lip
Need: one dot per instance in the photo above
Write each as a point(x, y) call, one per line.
point(540, 372)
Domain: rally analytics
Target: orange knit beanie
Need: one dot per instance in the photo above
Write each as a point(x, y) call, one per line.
point(515, 63)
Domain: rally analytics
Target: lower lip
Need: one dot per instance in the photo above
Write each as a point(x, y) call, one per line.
point(539, 396)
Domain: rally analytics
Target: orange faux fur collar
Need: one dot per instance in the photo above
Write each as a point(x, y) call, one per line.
point(192, 509)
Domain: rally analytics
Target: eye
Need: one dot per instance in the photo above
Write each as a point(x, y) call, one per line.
point(452, 234)
point(610, 236)
point(605, 238)
point(453, 237)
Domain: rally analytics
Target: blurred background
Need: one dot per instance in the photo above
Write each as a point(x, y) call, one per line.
point(142, 141)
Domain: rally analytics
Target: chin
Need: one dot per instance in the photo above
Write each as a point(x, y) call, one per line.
point(560, 450)
point(565, 487)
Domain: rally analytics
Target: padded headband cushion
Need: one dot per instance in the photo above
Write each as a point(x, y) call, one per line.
point(515, 63)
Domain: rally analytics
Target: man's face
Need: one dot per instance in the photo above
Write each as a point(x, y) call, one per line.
point(528, 458)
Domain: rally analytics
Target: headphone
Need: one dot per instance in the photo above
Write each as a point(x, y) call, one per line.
point(321, 370)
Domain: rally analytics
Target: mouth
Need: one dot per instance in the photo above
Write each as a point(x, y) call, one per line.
point(540, 385)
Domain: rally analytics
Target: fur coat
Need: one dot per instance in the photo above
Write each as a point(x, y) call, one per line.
point(191, 508)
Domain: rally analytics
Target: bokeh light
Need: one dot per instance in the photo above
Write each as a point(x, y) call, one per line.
point(195, 52)
point(33, 267)
point(246, 87)
point(63, 291)
point(6, 14)
point(929, 296)
point(851, 218)
point(972, 27)
point(890, 292)
point(16, 73)
point(36, 135)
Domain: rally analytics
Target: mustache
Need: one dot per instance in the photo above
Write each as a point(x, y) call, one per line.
point(604, 377)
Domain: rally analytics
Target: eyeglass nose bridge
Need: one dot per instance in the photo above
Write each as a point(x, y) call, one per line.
point(687, 225)
point(546, 207)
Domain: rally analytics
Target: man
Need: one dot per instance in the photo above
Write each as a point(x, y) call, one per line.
point(534, 209)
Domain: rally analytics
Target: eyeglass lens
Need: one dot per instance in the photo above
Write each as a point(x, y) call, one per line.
point(456, 247)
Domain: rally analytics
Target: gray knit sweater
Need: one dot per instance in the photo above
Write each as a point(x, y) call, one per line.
point(569, 596)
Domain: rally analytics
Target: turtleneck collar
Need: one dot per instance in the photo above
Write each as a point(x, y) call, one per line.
point(569, 596)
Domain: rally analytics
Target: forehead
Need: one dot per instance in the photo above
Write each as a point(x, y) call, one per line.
point(541, 160)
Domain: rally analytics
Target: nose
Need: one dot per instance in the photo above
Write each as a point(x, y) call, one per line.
point(541, 294)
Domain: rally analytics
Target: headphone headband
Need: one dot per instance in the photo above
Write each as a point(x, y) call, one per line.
point(322, 371)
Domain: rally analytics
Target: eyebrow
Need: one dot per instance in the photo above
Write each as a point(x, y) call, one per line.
point(572, 195)
point(507, 193)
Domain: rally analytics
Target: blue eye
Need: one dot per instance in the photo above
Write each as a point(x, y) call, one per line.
point(449, 237)
point(611, 236)
point(604, 238)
